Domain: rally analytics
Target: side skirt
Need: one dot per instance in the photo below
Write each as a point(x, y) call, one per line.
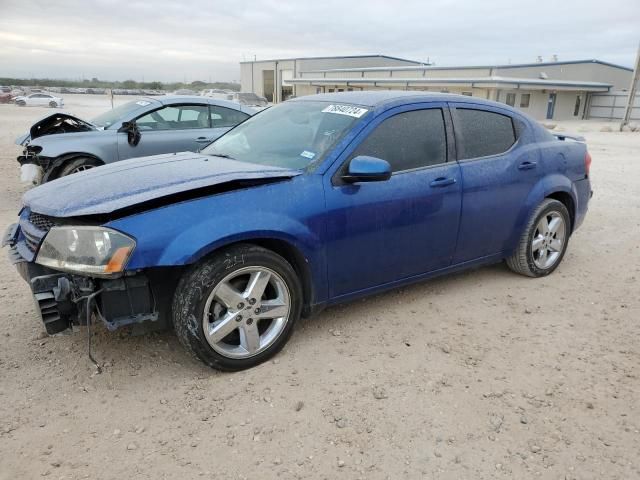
point(487, 260)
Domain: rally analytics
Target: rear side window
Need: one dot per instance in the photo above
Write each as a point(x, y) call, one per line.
point(225, 117)
point(484, 133)
point(408, 140)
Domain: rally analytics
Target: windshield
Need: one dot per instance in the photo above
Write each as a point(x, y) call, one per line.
point(289, 135)
point(112, 116)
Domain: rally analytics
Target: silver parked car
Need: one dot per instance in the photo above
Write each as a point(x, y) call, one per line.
point(62, 144)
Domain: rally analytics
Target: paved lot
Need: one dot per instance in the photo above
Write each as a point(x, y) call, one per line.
point(479, 375)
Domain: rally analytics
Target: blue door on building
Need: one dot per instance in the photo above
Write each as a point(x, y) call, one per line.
point(551, 105)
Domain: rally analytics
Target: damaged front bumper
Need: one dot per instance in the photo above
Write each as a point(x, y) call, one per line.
point(64, 299)
point(32, 166)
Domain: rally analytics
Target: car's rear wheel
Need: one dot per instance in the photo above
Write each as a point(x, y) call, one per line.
point(76, 165)
point(53, 104)
point(237, 308)
point(544, 241)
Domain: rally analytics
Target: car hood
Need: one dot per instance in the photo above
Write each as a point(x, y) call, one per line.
point(57, 123)
point(128, 183)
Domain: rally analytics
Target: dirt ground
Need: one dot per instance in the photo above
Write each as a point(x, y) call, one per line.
point(479, 375)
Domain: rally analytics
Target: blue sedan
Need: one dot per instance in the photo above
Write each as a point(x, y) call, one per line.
point(316, 201)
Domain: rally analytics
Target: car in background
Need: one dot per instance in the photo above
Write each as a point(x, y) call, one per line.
point(249, 99)
point(185, 91)
point(216, 93)
point(5, 89)
point(61, 144)
point(39, 100)
point(6, 97)
point(316, 201)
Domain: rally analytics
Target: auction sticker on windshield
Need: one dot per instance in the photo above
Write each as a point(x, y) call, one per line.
point(349, 110)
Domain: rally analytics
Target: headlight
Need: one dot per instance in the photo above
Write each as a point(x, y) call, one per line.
point(94, 251)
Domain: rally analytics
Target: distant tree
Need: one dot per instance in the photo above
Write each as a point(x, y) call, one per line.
point(129, 84)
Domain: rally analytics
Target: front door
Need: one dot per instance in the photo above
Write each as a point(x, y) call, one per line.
point(381, 232)
point(174, 128)
point(551, 105)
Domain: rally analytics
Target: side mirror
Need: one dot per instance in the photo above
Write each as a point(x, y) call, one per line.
point(133, 132)
point(367, 169)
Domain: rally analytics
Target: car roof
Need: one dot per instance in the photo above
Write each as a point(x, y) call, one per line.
point(174, 99)
point(383, 98)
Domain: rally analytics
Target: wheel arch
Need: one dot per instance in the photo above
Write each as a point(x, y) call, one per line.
point(555, 186)
point(58, 163)
point(291, 254)
point(567, 200)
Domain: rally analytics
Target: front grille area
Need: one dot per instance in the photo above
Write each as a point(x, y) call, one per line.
point(41, 222)
point(33, 227)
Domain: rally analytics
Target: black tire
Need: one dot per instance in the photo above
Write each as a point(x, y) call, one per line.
point(196, 285)
point(53, 104)
point(21, 103)
point(522, 259)
point(77, 164)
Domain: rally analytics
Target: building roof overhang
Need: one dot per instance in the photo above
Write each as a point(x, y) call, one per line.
point(473, 82)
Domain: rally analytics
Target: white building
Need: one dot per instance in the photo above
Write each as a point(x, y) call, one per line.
point(545, 90)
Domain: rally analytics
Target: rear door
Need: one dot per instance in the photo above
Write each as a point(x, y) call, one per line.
point(174, 128)
point(500, 164)
point(381, 232)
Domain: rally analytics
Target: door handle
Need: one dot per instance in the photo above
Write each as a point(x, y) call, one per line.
point(203, 140)
point(527, 165)
point(442, 182)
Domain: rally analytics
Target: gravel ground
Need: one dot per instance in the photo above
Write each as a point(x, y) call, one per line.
point(479, 375)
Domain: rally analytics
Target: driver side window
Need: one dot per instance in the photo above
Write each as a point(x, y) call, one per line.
point(175, 118)
point(408, 140)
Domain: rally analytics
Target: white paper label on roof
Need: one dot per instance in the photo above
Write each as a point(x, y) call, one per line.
point(349, 110)
point(142, 103)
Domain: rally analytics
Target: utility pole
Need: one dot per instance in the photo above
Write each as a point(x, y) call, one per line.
point(632, 92)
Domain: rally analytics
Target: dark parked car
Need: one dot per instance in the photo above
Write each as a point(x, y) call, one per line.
point(313, 202)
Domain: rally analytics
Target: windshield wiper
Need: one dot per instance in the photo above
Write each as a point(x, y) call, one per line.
point(222, 155)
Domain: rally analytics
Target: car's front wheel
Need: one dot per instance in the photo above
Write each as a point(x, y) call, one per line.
point(21, 103)
point(544, 240)
point(237, 308)
point(76, 165)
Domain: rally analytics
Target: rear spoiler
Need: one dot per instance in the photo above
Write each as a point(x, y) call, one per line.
point(572, 138)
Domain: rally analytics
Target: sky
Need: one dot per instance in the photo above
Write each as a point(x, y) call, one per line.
point(171, 40)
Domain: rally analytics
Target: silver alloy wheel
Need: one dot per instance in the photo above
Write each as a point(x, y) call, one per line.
point(246, 312)
point(80, 168)
point(548, 240)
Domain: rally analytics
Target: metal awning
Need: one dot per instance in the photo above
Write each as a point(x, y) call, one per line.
point(471, 82)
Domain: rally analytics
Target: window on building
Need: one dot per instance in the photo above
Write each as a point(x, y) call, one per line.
point(484, 133)
point(225, 117)
point(524, 100)
point(511, 99)
point(331, 90)
point(468, 94)
point(576, 108)
point(408, 140)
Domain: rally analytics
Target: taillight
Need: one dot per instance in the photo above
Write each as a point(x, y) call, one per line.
point(587, 163)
